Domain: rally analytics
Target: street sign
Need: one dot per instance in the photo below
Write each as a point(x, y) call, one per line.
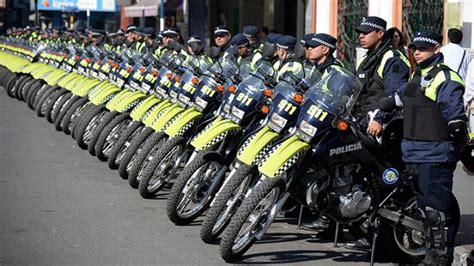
point(77, 5)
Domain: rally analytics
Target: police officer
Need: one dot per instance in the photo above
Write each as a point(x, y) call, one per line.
point(170, 34)
point(130, 36)
point(269, 48)
point(194, 49)
point(383, 70)
point(139, 45)
point(150, 39)
point(434, 125)
point(160, 46)
point(222, 37)
point(242, 49)
point(96, 37)
point(252, 33)
point(320, 48)
point(286, 56)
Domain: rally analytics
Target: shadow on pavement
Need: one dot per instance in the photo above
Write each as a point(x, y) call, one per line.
point(293, 256)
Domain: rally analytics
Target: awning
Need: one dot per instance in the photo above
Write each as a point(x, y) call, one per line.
point(146, 8)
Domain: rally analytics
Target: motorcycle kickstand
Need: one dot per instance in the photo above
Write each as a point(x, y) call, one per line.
point(300, 216)
point(374, 242)
point(336, 234)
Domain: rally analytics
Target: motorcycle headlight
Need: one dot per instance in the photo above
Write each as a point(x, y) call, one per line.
point(161, 92)
point(173, 95)
point(226, 109)
point(183, 100)
point(306, 131)
point(102, 76)
point(146, 87)
point(120, 82)
point(238, 113)
point(134, 85)
point(277, 122)
point(200, 104)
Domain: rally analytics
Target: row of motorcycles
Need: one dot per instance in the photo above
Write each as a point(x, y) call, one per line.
point(232, 142)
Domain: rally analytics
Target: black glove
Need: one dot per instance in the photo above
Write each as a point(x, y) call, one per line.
point(458, 130)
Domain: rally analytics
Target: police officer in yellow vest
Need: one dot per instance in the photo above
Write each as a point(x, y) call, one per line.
point(320, 48)
point(130, 36)
point(434, 129)
point(252, 33)
point(194, 48)
point(140, 44)
point(269, 50)
point(383, 70)
point(222, 37)
point(242, 49)
point(286, 56)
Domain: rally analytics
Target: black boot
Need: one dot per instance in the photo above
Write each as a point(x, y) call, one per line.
point(360, 244)
point(320, 224)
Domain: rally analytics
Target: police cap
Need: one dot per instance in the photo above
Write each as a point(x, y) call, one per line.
point(194, 39)
point(426, 39)
point(171, 32)
point(149, 32)
point(306, 38)
point(239, 40)
point(130, 28)
point(273, 37)
point(96, 33)
point(322, 39)
point(251, 31)
point(286, 42)
point(369, 24)
point(221, 31)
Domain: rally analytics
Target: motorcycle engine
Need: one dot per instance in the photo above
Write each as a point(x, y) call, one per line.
point(354, 203)
point(344, 197)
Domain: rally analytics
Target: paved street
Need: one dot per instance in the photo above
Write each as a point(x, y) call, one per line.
point(59, 205)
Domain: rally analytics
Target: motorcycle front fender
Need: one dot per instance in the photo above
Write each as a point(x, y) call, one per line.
point(257, 142)
point(139, 111)
point(282, 157)
point(215, 132)
point(182, 120)
point(123, 104)
point(83, 89)
point(123, 94)
point(103, 94)
point(149, 118)
point(165, 116)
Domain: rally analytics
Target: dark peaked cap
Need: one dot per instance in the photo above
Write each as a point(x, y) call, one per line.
point(369, 24)
point(286, 42)
point(426, 39)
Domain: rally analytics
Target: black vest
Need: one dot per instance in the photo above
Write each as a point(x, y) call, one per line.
point(422, 119)
point(372, 84)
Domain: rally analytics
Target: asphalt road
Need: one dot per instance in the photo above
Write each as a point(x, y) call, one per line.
point(61, 206)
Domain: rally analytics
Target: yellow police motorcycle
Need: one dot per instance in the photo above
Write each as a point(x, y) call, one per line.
point(199, 111)
point(215, 146)
point(284, 110)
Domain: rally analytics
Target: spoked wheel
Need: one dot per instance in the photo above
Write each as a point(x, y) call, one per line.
point(139, 161)
point(136, 144)
point(110, 135)
point(42, 103)
point(195, 188)
point(73, 115)
point(159, 171)
point(118, 151)
point(227, 201)
point(87, 126)
point(99, 129)
point(251, 218)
